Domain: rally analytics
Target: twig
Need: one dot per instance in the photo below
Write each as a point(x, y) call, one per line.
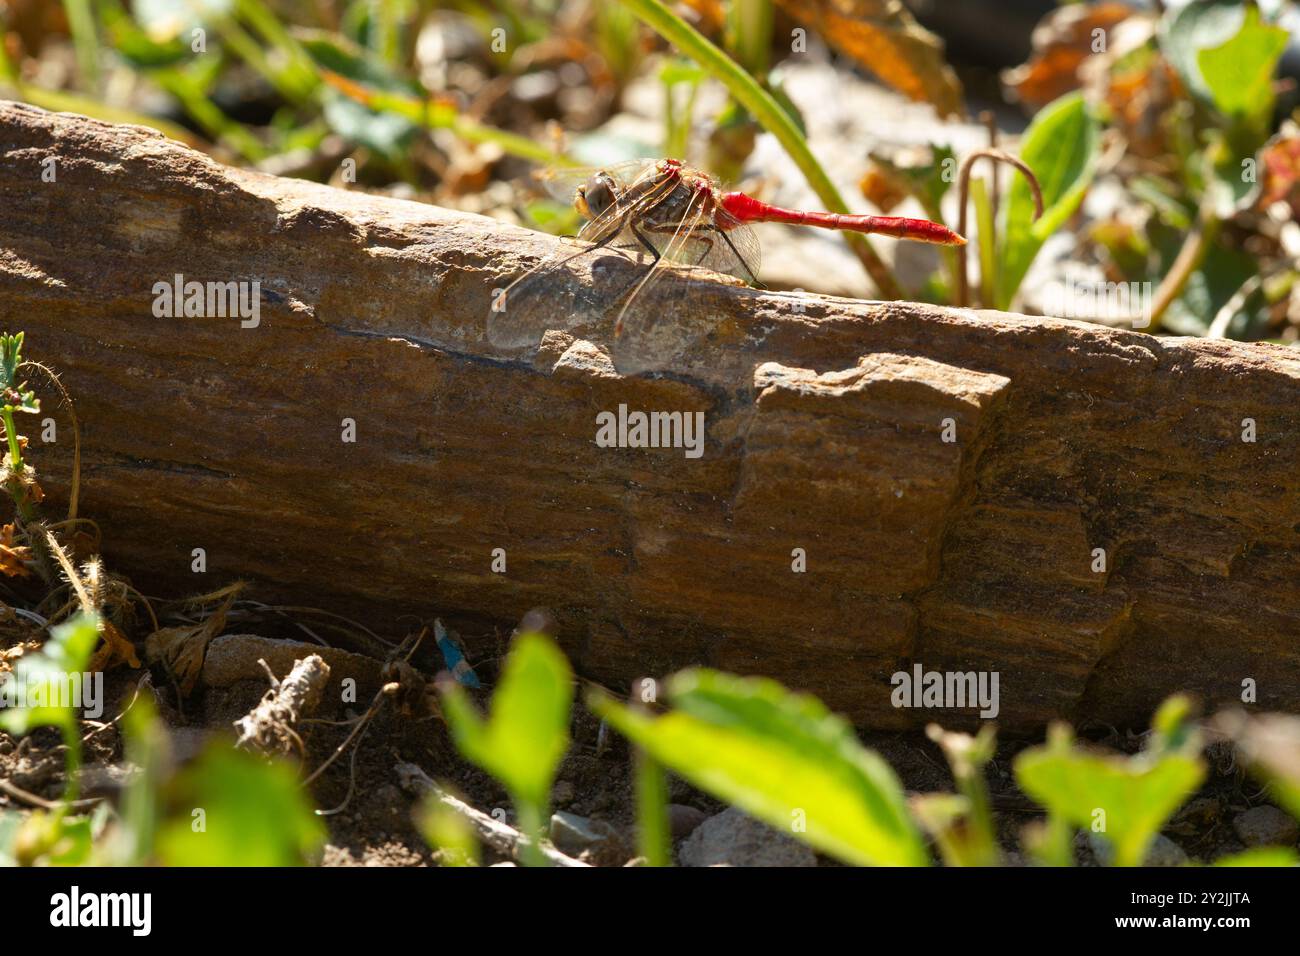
point(361, 725)
point(1189, 259)
point(990, 122)
point(500, 836)
point(352, 778)
point(32, 800)
point(268, 727)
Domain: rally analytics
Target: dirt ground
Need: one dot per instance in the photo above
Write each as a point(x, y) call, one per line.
point(373, 825)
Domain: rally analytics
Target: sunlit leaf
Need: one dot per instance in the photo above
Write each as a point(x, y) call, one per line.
point(1125, 800)
point(1194, 27)
point(48, 678)
point(1239, 73)
point(782, 758)
point(1061, 147)
point(526, 734)
point(1261, 856)
point(230, 808)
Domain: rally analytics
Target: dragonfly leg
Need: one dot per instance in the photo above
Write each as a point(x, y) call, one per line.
point(645, 242)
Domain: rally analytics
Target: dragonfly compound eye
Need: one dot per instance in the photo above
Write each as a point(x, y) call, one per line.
point(596, 195)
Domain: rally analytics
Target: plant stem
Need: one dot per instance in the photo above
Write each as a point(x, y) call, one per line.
point(81, 24)
point(17, 490)
point(770, 114)
point(984, 227)
point(71, 763)
point(1188, 260)
point(652, 810)
point(530, 825)
point(963, 193)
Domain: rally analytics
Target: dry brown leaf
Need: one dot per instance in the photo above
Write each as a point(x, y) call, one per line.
point(881, 189)
point(13, 558)
point(182, 649)
point(710, 12)
point(1139, 101)
point(1281, 161)
point(883, 36)
point(1062, 41)
point(114, 650)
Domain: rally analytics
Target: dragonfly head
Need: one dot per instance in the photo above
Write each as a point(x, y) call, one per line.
point(596, 195)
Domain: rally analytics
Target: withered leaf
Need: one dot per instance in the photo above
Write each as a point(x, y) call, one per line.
point(883, 36)
point(182, 649)
point(1062, 41)
point(13, 557)
point(114, 650)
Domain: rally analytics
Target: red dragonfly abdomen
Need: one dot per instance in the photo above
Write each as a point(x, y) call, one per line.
point(748, 209)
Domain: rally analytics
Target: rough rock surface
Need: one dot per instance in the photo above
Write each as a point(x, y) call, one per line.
point(1265, 825)
point(731, 838)
point(824, 418)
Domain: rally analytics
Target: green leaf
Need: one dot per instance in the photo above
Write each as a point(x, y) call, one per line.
point(448, 832)
point(1239, 73)
point(139, 48)
point(147, 746)
point(375, 125)
point(1194, 27)
point(1061, 147)
point(526, 734)
point(386, 133)
point(354, 62)
point(1261, 856)
point(17, 397)
point(252, 814)
point(782, 758)
point(48, 679)
point(676, 71)
point(1131, 796)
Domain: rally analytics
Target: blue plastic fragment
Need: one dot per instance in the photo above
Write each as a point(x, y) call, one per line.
point(454, 657)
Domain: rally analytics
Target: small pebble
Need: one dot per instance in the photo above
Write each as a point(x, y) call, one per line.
point(1266, 826)
point(732, 839)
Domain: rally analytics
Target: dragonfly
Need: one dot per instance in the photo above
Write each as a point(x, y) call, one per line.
point(668, 213)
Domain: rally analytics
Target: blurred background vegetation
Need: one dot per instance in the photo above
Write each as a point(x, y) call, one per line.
point(1184, 146)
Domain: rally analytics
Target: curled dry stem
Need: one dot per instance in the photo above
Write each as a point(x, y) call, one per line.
point(963, 191)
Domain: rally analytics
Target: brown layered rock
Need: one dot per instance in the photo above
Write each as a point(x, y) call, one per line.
point(948, 474)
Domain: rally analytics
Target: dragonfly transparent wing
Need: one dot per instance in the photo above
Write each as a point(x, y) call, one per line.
point(727, 245)
point(563, 182)
point(656, 324)
point(544, 298)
